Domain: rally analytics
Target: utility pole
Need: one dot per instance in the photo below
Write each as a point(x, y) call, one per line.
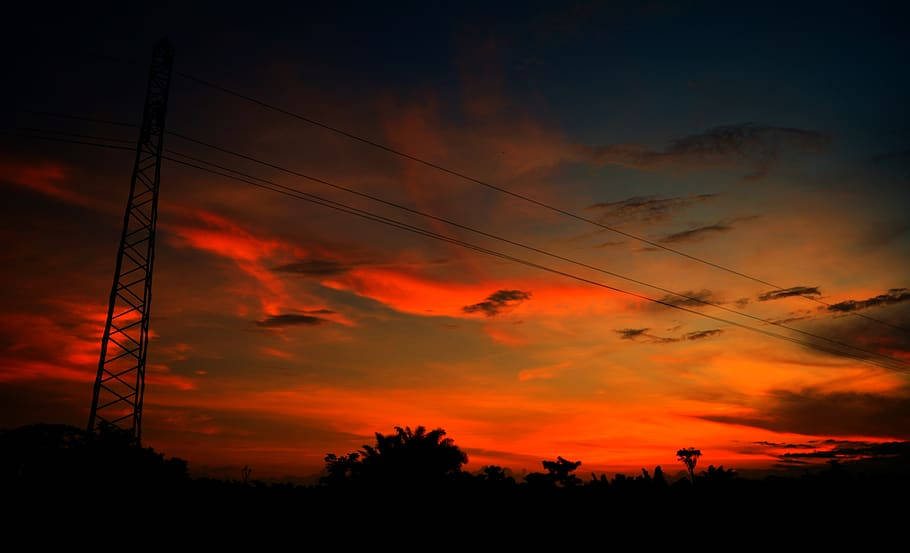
point(120, 382)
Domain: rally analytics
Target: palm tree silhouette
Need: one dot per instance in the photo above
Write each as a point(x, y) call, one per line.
point(407, 457)
point(689, 457)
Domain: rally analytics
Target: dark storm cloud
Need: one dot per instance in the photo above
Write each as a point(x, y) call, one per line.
point(726, 146)
point(497, 301)
point(307, 318)
point(833, 413)
point(314, 267)
point(645, 208)
point(894, 295)
point(788, 292)
point(692, 299)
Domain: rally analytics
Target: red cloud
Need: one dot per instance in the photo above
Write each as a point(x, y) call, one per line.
point(46, 178)
point(64, 346)
point(253, 253)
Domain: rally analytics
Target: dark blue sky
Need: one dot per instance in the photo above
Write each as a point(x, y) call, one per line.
point(639, 70)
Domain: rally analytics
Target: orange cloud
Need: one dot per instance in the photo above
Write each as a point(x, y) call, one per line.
point(412, 293)
point(545, 372)
point(272, 352)
point(504, 336)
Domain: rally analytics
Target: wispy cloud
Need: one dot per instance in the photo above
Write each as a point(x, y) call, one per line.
point(691, 299)
point(308, 318)
point(894, 295)
point(792, 317)
point(49, 179)
point(699, 233)
point(645, 208)
point(701, 334)
point(635, 333)
point(784, 445)
point(757, 146)
point(609, 244)
point(788, 292)
point(631, 333)
point(820, 452)
point(696, 234)
point(314, 267)
point(497, 302)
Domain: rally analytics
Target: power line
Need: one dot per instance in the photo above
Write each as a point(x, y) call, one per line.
point(81, 118)
point(896, 364)
point(338, 206)
point(508, 241)
point(184, 137)
point(489, 235)
point(457, 174)
point(83, 142)
point(500, 189)
point(80, 135)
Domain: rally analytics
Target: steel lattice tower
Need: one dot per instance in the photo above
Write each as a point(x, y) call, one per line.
point(120, 383)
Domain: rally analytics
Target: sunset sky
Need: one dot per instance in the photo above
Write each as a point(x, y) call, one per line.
point(772, 141)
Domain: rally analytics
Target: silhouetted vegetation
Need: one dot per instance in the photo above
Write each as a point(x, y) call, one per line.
point(60, 456)
point(413, 463)
point(405, 458)
point(689, 457)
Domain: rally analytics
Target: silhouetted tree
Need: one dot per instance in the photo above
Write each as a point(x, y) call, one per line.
point(405, 457)
point(340, 470)
point(496, 475)
point(717, 475)
point(599, 481)
point(560, 472)
point(659, 479)
point(689, 457)
point(55, 455)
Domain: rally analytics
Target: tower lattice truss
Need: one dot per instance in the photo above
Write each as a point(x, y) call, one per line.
point(120, 381)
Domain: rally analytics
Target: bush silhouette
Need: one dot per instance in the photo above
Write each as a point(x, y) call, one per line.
point(406, 457)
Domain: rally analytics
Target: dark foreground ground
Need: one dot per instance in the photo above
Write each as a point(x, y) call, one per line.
point(57, 473)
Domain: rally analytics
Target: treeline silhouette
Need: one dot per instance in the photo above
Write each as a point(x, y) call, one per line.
point(424, 468)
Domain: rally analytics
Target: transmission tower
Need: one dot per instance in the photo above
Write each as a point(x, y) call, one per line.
point(120, 383)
